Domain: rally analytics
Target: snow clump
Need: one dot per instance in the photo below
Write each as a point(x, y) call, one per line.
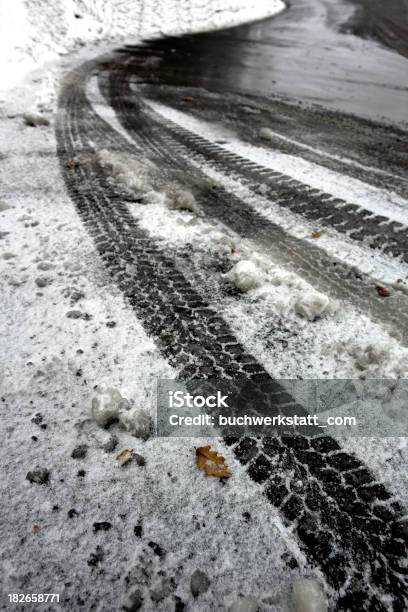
point(127, 171)
point(106, 404)
point(307, 596)
point(183, 200)
point(136, 421)
point(312, 305)
point(245, 275)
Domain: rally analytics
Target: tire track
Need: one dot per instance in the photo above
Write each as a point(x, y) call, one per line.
point(322, 271)
point(377, 231)
point(346, 521)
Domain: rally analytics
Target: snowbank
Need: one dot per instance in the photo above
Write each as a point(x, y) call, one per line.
point(34, 32)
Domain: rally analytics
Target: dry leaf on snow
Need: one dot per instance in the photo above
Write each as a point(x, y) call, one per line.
point(187, 98)
point(316, 234)
point(125, 456)
point(211, 463)
point(383, 291)
point(72, 163)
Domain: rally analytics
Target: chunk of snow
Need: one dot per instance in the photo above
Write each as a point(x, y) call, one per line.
point(244, 604)
point(307, 596)
point(126, 170)
point(106, 404)
point(266, 134)
point(136, 421)
point(312, 305)
point(245, 275)
point(35, 119)
point(183, 200)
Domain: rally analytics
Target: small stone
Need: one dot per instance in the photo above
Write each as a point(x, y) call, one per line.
point(134, 602)
point(34, 119)
point(72, 513)
point(138, 530)
point(81, 473)
point(266, 134)
point(158, 550)
point(79, 452)
point(38, 476)
point(199, 583)
point(140, 460)
point(44, 266)
point(102, 526)
point(73, 314)
point(43, 281)
point(245, 604)
point(96, 557)
point(111, 324)
point(37, 418)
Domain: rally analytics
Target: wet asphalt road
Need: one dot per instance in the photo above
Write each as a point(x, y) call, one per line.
point(306, 53)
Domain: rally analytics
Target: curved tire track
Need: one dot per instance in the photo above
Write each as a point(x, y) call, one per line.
point(347, 522)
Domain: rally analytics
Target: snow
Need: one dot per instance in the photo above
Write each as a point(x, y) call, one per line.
point(312, 305)
point(136, 421)
point(183, 200)
point(317, 176)
point(245, 604)
point(52, 362)
point(245, 276)
point(307, 596)
point(106, 404)
point(382, 267)
point(27, 41)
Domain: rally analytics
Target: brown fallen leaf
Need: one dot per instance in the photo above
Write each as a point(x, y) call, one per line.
point(187, 98)
point(36, 529)
point(72, 163)
point(211, 463)
point(383, 291)
point(125, 456)
point(316, 234)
